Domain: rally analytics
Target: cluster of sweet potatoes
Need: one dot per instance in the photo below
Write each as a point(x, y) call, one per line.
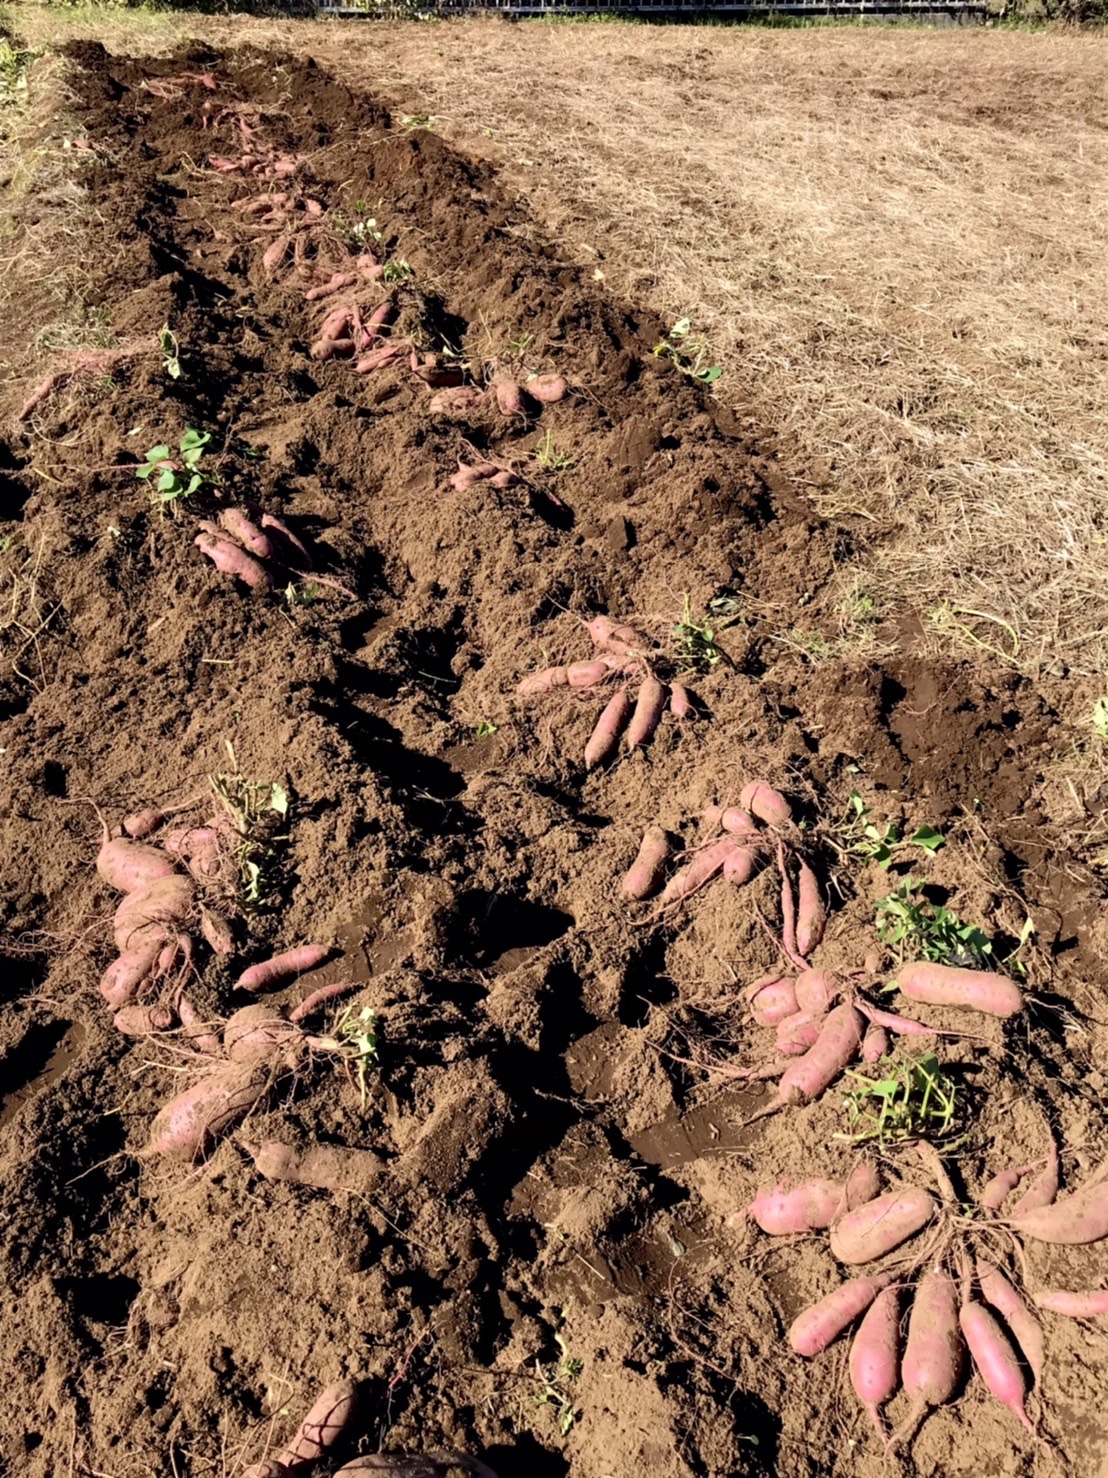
point(255, 547)
point(623, 657)
point(331, 1425)
point(958, 1297)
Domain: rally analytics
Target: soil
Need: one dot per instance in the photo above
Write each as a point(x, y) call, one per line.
point(544, 1273)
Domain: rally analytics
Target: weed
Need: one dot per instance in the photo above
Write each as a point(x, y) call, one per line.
point(694, 642)
point(859, 835)
point(485, 730)
point(167, 343)
point(690, 355)
point(550, 456)
point(914, 927)
point(551, 1383)
point(178, 477)
point(305, 594)
point(362, 233)
point(398, 270)
point(258, 811)
point(14, 62)
point(356, 1038)
point(419, 120)
point(913, 1099)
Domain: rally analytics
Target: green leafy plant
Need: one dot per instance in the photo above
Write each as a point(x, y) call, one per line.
point(551, 457)
point(913, 1099)
point(14, 62)
point(259, 813)
point(873, 842)
point(305, 594)
point(690, 355)
point(916, 928)
point(167, 343)
point(694, 642)
point(551, 1386)
point(398, 270)
point(485, 730)
point(418, 120)
point(356, 1039)
point(172, 478)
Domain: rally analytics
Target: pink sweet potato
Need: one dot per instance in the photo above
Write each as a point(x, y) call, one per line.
point(1090, 1305)
point(1025, 1328)
point(382, 315)
point(241, 527)
point(706, 864)
point(200, 848)
point(837, 1045)
point(1043, 1190)
point(976, 990)
point(882, 1225)
point(334, 284)
point(125, 976)
point(323, 349)
point(217, 931)
point(934, 1355)
point(680, 704)
point(269, 973)
point(190, 1123)
point(338, 323)
point(468, 476)
point(995, 1358)
point(576, 675)
point(816, 991)
point(875, 1356)
point(610, 636)
point(454, 401)
point(142, 823)
point(650, 705)
point(774, 1003)
point(810, 912)
point(128, 866)
point(509, 397)
point(328, 1420)
point(142, 1021)
point(738, 868)
point(813, 1330)
point(268, 1469)
point(229, 559)
point(291, 550)
point(737, 821)
point(142, 916)
point(767, 804)
point(1074, 1221)
point(327, 1167)
point(390, 354)
point(604, 740)
point(875, 1044)
point(258, 1033)
point(644, 877)
point(798, 1033)
point(813, 1204)
point(1001, 1185)
point(196, 1031)
point(547, 389)
point(319, 997)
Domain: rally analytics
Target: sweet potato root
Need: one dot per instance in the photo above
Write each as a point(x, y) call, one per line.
point(817, 1327)
point(976, 990)
point(882, 1225)
point(268, 973)
point(603, 742)
point(124, 977)
point(767, 804)
point(650, 705)
point(143, 916)
point(127, 865)
point(547, 389)
point(329, 1419)
point(229, 559)
point(644, 876)
point(190, 1123)
point(325, 1166)
point(1074, 1221)
point(142, 1021)
point(258, 1034)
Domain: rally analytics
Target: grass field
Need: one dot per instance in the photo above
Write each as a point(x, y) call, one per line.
point(895, 241)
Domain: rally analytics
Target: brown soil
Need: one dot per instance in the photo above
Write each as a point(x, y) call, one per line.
point(551, 1174)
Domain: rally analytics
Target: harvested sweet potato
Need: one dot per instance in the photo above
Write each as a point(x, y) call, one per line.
point(190, 1123)
point(258, 1033)
point(329, 1419)
point(326, 1166)
point(142, 917)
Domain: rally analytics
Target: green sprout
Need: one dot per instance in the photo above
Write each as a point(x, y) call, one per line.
point(485, 730)
point(871, 842)
point(398, 270)
point(916, 928)
point(689, 355)
point(550, 1386)
point(551, 457)
point(167, 343)
point(695, 641)
point(418, 120)
point(356, 1038)
point(913, 1099)
point(173, 478)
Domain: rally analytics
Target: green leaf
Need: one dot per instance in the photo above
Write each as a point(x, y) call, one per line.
point(681, 329)
point(279, 800)
point(710, 375)
point(193, 438)
point(927, 838)
point(157, 454)
point(167, 482)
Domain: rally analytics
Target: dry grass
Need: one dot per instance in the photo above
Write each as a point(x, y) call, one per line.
point(896, 240)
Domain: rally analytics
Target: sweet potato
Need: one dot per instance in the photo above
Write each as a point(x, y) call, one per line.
point(274, 258)
point(505, 478)
point(142, 1021)
point(738, 867)
point(141, 917)
point(124, 977)
point(190, 1123)
point(706, 864)
point(509, 397)
point(810, 913)
point(774, 1003)
point(468, 476)
point(680, 704)
point(875, 1356)
point(737, 821)
point(328, 1420)
point(819, 1326)
point(934, 1354)
point(324, 349)
point(576, 675)
point(453, 401)
point(241, 527)
point(142, 823)
point(816, 991)
point(1074, 1221)
point(327, 1167)
point(196, 1031)
point(798, 1033)
point(610, 636)
point(882, 1225)
point(386, 355)
point(382, 315)
point(813, 1204)
point(604, 740)
point(1043, 1190)
point(217, 931)
point(1001, 1185)
point(995, 1358)
point(339, 322)
point(547, 389)
point(836, 1045)
point(128, 866)
point(644, 877)
point(268, 1469)
point(200, 848)
point(998, 1292)
point(335, 283)
point(650, 704)
point(258, 1033)
point(291, 549)
point(316, 998)
point(268, 973)
point(229, 559)
point(1090, 1305)
point(945, 985)
point(875, 1044)
point(767, 804)
point(411, 1465)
